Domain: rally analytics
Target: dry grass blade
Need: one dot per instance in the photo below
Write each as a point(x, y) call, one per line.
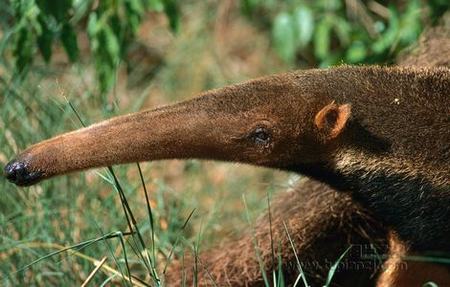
point(60, 248)
point(92, 274)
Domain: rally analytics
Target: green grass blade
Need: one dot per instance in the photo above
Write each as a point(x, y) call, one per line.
point(334, 267)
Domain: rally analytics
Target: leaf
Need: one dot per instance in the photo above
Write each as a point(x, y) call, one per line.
point(45, 40)
point(356, 53)
point(283, 34)
point(23, 50)
point(156, 5)
point(25, 34)
point(248, 6)
point(172, 12)
point(304, 24)
point(136, 6)
point(58, 9)
point(121, 30)
point(107, 58)
point(69, 41)
point(410, 23)
point(322, 38)
point(343, 30)
point(80, 10)
point(92, 27)
point(388, 38)
point(133, 13)
point(330, 60)
point(111, 44)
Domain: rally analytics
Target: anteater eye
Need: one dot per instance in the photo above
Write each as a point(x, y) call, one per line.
point(260, 136)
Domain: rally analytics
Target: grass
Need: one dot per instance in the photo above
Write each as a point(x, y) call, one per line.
point(136, 221)
point(58, 232)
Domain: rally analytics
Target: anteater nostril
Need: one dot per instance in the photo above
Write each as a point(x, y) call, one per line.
point(18, 173)
point(13, 169)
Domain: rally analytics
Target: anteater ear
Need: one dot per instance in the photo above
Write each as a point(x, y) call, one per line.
point(332, 118)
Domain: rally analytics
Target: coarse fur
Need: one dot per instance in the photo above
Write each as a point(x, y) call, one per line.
point(393, 153)
point(433, 50)
point(379, 134)
point(322, 224)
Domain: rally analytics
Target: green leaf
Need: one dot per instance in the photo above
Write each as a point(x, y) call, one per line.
point(69, 41)
point(343, 30)
point(173, 13)
point(356, 53)
point(156, 5)
point(304, 24)
point(107, 58)
point(322, 38)
point(45, 40)
point(248, 6)
point(120, 29)
point(283, 34)
point(81, 9)
point(388, 38)
point(111, 44)
point(23, 50)
point(330, 5)
point(135, 6)
point(330, 60)
point(92, 27)
point(133, 13)
point(58, 9)
point(411, 23)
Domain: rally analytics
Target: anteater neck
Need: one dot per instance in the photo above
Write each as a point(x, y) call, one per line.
point(415, 208)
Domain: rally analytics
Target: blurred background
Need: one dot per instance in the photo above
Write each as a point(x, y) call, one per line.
point(70, 61)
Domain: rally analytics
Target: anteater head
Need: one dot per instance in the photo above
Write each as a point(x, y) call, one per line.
point(278, 121)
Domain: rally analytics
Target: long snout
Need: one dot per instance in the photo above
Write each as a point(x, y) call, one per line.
point(206, 127)
point(172, 132)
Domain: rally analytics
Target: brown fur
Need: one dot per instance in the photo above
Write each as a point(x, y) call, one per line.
point(322, 224)
point(283, 105)
point(401, 270)
point(392, 155)
point(397, 136)
point(432, 51)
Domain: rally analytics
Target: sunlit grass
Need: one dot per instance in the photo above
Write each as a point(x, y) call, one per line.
point(71, 210)
point(74, 209)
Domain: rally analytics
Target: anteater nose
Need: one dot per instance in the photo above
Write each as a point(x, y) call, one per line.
point(13, 170)
point(18, 173)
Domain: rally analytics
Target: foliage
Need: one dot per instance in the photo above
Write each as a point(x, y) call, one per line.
point(327, 32)
point(111, 25)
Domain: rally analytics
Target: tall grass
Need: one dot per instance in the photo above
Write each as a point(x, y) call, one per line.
point(57, 232)
point(134, 220)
